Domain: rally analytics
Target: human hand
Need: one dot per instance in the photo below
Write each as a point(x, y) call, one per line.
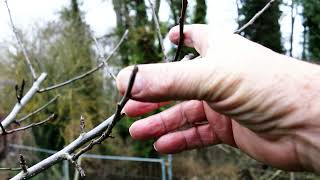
point(238, 93)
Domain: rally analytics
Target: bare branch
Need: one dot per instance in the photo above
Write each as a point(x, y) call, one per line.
point(116, 118)
point(26, 98)
point(38, 110)
point(4, 132)
point(105, 126)
point(157, 24)
point(101, 56)
point(23, 164)
point(76, 165)
point(181, 25)
point(82, 125)
point(52, 117)
point(101, 65)
point(19, 91)
point(255, 17)
point(10, 169)
point(20, 43)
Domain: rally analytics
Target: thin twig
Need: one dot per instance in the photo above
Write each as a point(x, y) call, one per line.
point(80, 141)
point(157, 24)
point(255, 17)
point(20, 43)
point(181, 25)
point(102, 57)
point(101, 65)
point(4, 132)
point(50, 118)
point(10, 169)
point(38, 110)
point(116, 117)
point(82, 125)
point(76, 165)
point(20, 90)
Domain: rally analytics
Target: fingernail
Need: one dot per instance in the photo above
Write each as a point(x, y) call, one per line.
point(154, 146)
point(124, 77)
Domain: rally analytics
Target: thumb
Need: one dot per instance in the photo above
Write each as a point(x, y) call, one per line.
point(175, 81)
point(195, 36)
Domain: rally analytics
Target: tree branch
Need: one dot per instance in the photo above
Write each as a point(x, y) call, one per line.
point(52, 117)
point(26, 98)
point(20, 43)
point(117, 116)
point(83, 139)
point(157, 25)
point(255, 17)
point(10, 169)
point(38, 110)
point(181, 25)
point(86, 74)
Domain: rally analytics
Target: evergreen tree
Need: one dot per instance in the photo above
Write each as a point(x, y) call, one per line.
point(200, 12)
point(266, 29)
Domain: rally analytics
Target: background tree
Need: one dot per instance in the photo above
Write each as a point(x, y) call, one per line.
point(311, 17)
point(266, 30)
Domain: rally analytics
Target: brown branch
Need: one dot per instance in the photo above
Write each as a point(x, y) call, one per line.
point(255, 17)
point(20, 43)
point(181, 25)
point(19, 91)
point(52, 117)
point(117, 116)
point(4, 132)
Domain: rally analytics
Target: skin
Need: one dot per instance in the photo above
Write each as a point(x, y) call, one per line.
point(238, 93)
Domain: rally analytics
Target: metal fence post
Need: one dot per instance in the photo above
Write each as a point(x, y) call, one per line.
point(163, 169)
point(65, 167)
point(170, 167)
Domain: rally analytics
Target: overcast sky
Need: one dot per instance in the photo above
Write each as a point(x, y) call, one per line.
point(101, 17)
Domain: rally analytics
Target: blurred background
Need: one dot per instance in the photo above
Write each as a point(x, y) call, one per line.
point(58, 36)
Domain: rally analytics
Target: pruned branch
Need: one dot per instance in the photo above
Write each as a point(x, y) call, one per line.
point(50, 118)
point(255, 17)
point(86, 74)
point(38, 110)
point(20, 43)
point(100, 131)
point(157, 25)
point(181, 25)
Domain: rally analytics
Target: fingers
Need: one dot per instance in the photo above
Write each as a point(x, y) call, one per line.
point(196, 36)
point(173, 81)
point(136, 108)
point(168, 120)
point(192, 138)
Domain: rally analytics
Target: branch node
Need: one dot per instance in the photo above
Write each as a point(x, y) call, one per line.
point(23, 165)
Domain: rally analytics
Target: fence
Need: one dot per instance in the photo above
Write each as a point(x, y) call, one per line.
point(156, 168)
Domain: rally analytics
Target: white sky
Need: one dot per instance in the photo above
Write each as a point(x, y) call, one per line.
point(101, 17)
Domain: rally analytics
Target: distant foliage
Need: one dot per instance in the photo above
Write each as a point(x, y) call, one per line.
point(266, 30)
